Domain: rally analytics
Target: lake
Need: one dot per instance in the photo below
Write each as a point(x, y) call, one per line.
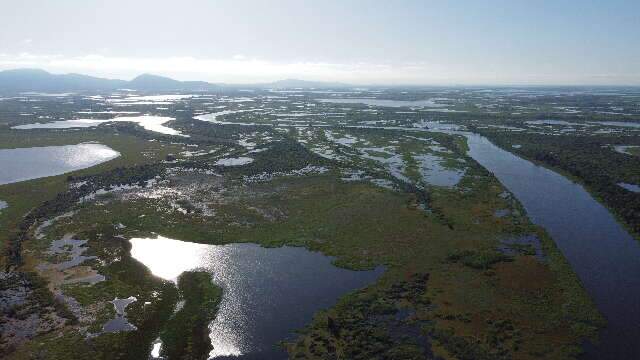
point(31, 163)
point(148, 122)
point(268, 292)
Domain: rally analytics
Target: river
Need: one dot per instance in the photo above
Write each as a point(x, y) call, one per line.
point(603, 254)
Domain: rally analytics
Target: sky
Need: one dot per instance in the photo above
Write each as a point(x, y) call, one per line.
point(402, 42)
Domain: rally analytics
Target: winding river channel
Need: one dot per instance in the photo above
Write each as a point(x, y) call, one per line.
point(604, 255)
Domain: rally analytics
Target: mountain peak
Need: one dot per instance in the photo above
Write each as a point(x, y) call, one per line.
point(147, 77)
point(155, 82)
point(41, 80)
point(25, 72)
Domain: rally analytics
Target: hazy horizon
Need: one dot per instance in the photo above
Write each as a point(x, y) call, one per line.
point(356, 42)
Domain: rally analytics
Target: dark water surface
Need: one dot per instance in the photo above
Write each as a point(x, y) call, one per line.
point(603, 254)
point(268, 292)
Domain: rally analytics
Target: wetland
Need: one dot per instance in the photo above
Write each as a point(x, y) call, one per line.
point(312, 224)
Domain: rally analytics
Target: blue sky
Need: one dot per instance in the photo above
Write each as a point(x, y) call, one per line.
point(361, 42)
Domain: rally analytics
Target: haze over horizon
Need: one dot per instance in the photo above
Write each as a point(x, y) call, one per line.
point(355, 42)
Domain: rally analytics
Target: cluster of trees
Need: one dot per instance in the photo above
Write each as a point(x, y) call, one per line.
point(284, 155)
point(202, 132)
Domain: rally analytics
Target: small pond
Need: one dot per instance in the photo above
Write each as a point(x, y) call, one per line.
point(631, 187)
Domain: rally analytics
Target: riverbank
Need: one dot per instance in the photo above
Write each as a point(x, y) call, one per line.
point(599, 250)
point(590, 162)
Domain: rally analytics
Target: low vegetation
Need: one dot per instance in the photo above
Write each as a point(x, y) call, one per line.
point(186, 334)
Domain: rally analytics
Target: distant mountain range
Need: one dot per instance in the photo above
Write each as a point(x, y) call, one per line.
point(23, 80)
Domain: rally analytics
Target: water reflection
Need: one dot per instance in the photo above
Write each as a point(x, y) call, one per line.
point(32, 163)
point(243, 160)
point(620, 123)
point(120, 322)
point(268, 292)
point(435, 173)
point(62, 124)
point(212, 117)
point(385, 102)
point(631, 187)
point(551, 122)
point(148, 122)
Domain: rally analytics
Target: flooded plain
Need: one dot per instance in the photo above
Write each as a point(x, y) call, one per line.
point(31, 163)
point(386, 103)
point(267, 292)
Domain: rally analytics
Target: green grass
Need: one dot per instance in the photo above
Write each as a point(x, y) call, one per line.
point(364, 226)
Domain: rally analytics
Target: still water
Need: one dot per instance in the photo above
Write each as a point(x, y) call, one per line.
point(620, 123)
point(603, 254)
point(385, 102)
point(31, 163)
point(268, 292)
point(148, 122)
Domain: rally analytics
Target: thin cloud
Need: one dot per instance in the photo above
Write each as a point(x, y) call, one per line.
point(241, 69)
